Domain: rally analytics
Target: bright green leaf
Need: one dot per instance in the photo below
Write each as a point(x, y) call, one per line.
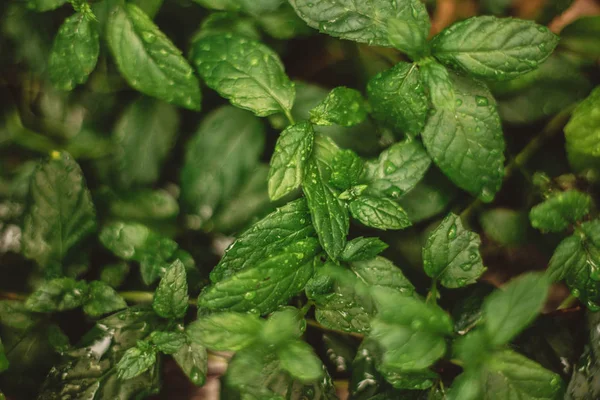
point(168, 342)
point(227, 331)
point(342, 106)
point(299, 359)
point(171, 296)
point(57, 295)
point(102, 299)
point(583, 132)
point(193, 360)
point(362, 249)
point(379, 212)
point(136, 361)
point(409, 33)
point(560, 210)
point(347, 168)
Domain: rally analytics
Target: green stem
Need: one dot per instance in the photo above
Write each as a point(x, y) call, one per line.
point(568, 302)
point(289, 116)
point(432, 296)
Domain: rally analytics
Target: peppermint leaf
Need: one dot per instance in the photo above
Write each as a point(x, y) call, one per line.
point(559, 211)
point(409, 33)
point(361, 249)
point(102, 300)
point(494, 48)
point(136, 361)
point(451, 254)
point(582, 132)
point(398, 98)
point(74, 52)
point(299, 359)
point(193, 360)
point(246, 72)
point(465, 139)
point(226, 331)
point(57, 295)
point(168, 342)
point(379, 212)
point(60, 212)
point(148, 60)
point(171, 296)
point(347, 169)
point(288, 163)
point(342, 106)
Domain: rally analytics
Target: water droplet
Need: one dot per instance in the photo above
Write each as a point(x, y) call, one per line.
point(197, 377)
point(576, 292)
point(481, 101)
point(592, 306)
point(542, 29)
point(416, 324)
point(466, 266)
point(452, 232)
point(459, 102)
point(389, 167)
point(250, 295)
point(149, 37)
point(310, 5)
point(555, 381)
point(393, 192)
point(462, 282)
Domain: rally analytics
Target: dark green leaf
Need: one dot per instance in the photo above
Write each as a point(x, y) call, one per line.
point(451, 254)
point(225, 22)
point(398, 98)
point(560, 210)
point(136, 361)
point(465, 139)
point(582, 36)
point(510, 309)
point(504, 226)
point(438, 82)
point(144, 136)
point(219, 157)
point(362, 249)
point(409, 33)
point(347, 169)
point(60, 212)
point(283, 23)
point(193, 360)
point(329, 214)
point(493, 48)
point(225, 331)
point(171, 296)
point(246, 72)
point(582, 132)
point(288, 163)
point(429, 197)
point(299, 359)
point(148, 59)
point(168, 342)
point(74, 52)
point(13, 314)
point(102, 299)
point(3, 360)
point(144, 205)
point(342, 106)
point(58, 295)
point(379, 212)
point(57, 339)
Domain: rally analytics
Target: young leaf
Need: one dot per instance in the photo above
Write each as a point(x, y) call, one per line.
point(465, 138)
point(227, 331)
point(559, 211)
point(168, 342)
point(493, 48)
point(74, 52)
point(362, 249)
point(379, 212)
point(57, 295)
point(438, 82)
point(329, 214)
point(577, 260)
point(60, 212)
point(288, 163)
point(342, 106)
point(171, 296)
point(347, 169)
point(193, 360)
point(299, 359)
point(246, 72)
point(398, 98)
point(509, 310)
point(136, 361)
point(409, 33)
point(363, 21)
point(252, 289)
point(219, 157)
point(451, 254)
point(283, 227)
point(102, 299)
point(398, 169)
point(283, 326)
point(144, 135)
point(148, 60)
point(582, 132)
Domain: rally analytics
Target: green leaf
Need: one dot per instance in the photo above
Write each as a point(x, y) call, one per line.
point(283, 227)
point(438, 82)
point(3, 360)
point(171, 296)
point(102, 299)
point(168, 342)
point(227, 331)
point(364, 21)
point(347, 169)
point(299, 359)
point(329, 214)
point(74, 52)
point(409, 33)
point(144, 205)
point(379, 212)
point(144, 135)
point(451, 254)
point(510, 309)
point(60, 212)
point(467, 386)
point(560, 210)
point(342, 106)
point(576, 260)
point(227, 22)
point(284, 273)
point(218, 159)
point(44, 5)
point(148, 60)
point(13, 314)
point(465, 139)
point(283, 326)
point(493, 48)
point(246, 72)
point(398, 98)
point(362, 249)
point(136, 361)
point(398, 169)
point(288, 162)
point(509, 375)
point(283, 23)
point(193, 360)
point(504, 226)
point(582, 36)
point(582, 132)
point(57, 295)
point(429, 197)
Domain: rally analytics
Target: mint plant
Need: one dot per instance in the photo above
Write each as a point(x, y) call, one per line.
point(334, 198)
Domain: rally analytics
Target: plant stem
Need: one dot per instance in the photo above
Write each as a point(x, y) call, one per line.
point(568, 302)
point(289, 116)
point(145, 297)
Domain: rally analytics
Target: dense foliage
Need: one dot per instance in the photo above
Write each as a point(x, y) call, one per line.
point(390, 209)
